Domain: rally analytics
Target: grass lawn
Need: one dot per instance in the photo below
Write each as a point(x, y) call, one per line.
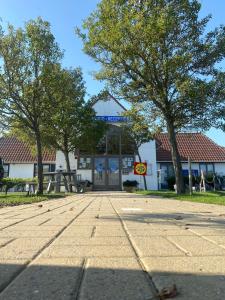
point(207, 197)
point(12, 199)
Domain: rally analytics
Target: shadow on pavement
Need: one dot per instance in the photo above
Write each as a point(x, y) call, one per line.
point(61, 282)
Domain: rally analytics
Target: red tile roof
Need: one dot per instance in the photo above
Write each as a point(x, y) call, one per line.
point(13, 150)
point(199, 147)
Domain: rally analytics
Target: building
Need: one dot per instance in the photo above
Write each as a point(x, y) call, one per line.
point(112, 163)
point(203, 152)
point(19, 161)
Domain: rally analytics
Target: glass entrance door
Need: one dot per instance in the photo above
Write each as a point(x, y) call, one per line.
point(99, 172)
point(113, 172)
point(107, 173)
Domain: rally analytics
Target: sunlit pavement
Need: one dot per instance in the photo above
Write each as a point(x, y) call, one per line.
point(112, 246)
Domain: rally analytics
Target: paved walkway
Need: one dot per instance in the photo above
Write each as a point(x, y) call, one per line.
point(112, 246)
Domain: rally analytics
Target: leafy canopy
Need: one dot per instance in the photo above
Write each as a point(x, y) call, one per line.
point(157, 52)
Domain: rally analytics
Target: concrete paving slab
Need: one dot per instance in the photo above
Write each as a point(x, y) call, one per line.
point(87, 251)
point(156, 246)
point(197, 245)
point(96, 257)
point(9, 269)
point(46, 279)
point(4, 241)
point(70, 241)
point(114, 279)
point(197, 265)
point(34, 234)
point(28, 243)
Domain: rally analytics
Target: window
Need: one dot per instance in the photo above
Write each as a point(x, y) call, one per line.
point(46, 169)
point(6, 170)
point(85, 163)
point(127, 164)
point(207, 168)
point(116, 141)
point(166, 172)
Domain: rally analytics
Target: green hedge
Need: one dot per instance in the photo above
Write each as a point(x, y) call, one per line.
point(8, 183)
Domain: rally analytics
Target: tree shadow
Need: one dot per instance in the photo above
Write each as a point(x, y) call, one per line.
point(177, 218)
point(67, 279)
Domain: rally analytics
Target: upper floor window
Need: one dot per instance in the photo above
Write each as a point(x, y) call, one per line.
point(115, 142)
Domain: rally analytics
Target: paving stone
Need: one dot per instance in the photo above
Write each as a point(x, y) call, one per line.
point(8, 252)
point(219, 239)
point(8, 270)
point(114, 279)
point(156, 246)
point(89, 251)
point(4, 241)
point(19, 227)
point(48, 280)
point(34, 234)
point(105, 231)
point(198, 265)
point(208, 231)
point(193, 287)
point(197, 245)
point(91, 241)
point(112, 271)
point(28, 243)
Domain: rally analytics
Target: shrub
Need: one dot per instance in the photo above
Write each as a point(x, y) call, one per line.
point(8, 183)
point(130, 183)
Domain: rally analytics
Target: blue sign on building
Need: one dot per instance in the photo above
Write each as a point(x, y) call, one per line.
point(112, 119)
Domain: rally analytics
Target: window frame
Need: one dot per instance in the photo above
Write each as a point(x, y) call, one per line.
point(130, 169)
point(206, 167)
point(85, 156)
point(8, 165)
point(50, 168)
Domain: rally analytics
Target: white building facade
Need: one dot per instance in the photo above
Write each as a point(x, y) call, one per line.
point(113, 163)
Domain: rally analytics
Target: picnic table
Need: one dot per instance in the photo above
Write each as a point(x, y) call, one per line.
point(70, 180)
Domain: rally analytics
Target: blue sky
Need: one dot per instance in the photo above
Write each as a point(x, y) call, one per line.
point(65, 15)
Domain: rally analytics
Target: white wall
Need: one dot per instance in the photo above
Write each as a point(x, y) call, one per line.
point(61, 162)
point(108, 108)
point(148, 154)
point(85, 174)
point(21, 170)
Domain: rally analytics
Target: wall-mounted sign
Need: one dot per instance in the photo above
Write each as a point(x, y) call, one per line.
point(112, 119)
point(140, 168)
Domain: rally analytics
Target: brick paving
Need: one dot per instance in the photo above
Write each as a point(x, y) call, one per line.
point(112, 246)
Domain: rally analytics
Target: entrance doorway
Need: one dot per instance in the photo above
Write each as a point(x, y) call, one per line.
point(107, 173)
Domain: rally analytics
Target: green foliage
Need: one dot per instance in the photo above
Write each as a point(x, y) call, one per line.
point(12, 199)
point(27, 54)
point(71, 124)
point(208, 197)
point(8, 183)
point(157, 54)
point(130, 183)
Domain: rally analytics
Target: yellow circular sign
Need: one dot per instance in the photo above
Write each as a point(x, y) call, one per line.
point(141, 168)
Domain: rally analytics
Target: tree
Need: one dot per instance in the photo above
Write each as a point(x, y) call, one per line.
point(138, 130)
point(26, 54)
point(157, 53)
point(71, 124)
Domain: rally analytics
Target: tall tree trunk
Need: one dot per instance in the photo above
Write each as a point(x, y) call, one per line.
point(140, 160)
point(39, 163)
point(175, 158)
point(68, 169)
